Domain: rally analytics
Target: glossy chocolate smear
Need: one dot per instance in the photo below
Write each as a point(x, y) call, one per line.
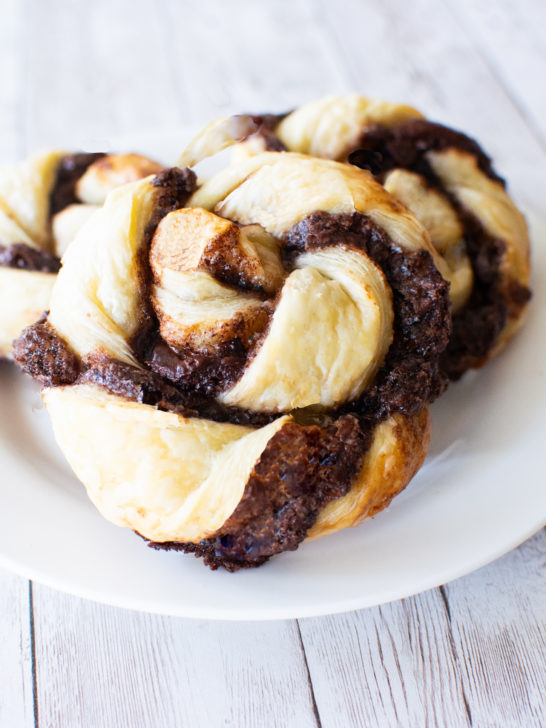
point(197, 371)
point(366, 159)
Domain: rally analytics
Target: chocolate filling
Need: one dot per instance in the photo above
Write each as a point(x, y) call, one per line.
point(410, 377)
point(138, 385)
point(477, 327)
point(71, 168)
point(304, 466)
point(405, 144)
point(263, 126)
point(19, 255)
point(149, 387)
point(301, 470)
point(25, 257)
point(46, 356)
point(197, 371)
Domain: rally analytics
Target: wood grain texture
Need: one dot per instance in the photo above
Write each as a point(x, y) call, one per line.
point(498, 622)
point(470, 654)
point(16, 653)
point(387, 666)
point(101, 666)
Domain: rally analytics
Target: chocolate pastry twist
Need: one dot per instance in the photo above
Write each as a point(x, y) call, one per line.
point(43, 202)
point(448, 182)
point(234, 368)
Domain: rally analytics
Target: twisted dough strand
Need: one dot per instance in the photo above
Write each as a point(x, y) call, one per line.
point(205, 268)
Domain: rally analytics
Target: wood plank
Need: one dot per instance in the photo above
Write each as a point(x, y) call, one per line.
point(498, 620)
point(95, 70)
point(16, 684)
point(511, 38)
point(98, 665)
point(244, 56)
point(420, 54)
point(387, 666)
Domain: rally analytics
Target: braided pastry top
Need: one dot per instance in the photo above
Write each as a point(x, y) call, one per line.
point(446, 179)
point(231, 367)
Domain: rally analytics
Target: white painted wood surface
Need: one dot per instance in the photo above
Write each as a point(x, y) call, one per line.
point(469, 654)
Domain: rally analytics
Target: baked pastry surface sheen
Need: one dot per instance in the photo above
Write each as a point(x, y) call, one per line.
point(235, 367)
point(448, 182)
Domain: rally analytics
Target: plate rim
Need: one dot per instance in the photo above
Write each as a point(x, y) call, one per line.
point(283, 613)
point(279, 612)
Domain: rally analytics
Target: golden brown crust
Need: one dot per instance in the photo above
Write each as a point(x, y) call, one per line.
point(398, 450)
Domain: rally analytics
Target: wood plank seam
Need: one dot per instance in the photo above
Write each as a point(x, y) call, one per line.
point(33, 656)
point(387, 676)
point(309, 679)
point(456, 658)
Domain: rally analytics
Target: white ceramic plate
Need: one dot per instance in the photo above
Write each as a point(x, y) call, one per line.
point(480, 493)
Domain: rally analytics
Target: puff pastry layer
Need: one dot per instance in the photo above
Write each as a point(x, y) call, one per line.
point(235, 367)
point(448, 182)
